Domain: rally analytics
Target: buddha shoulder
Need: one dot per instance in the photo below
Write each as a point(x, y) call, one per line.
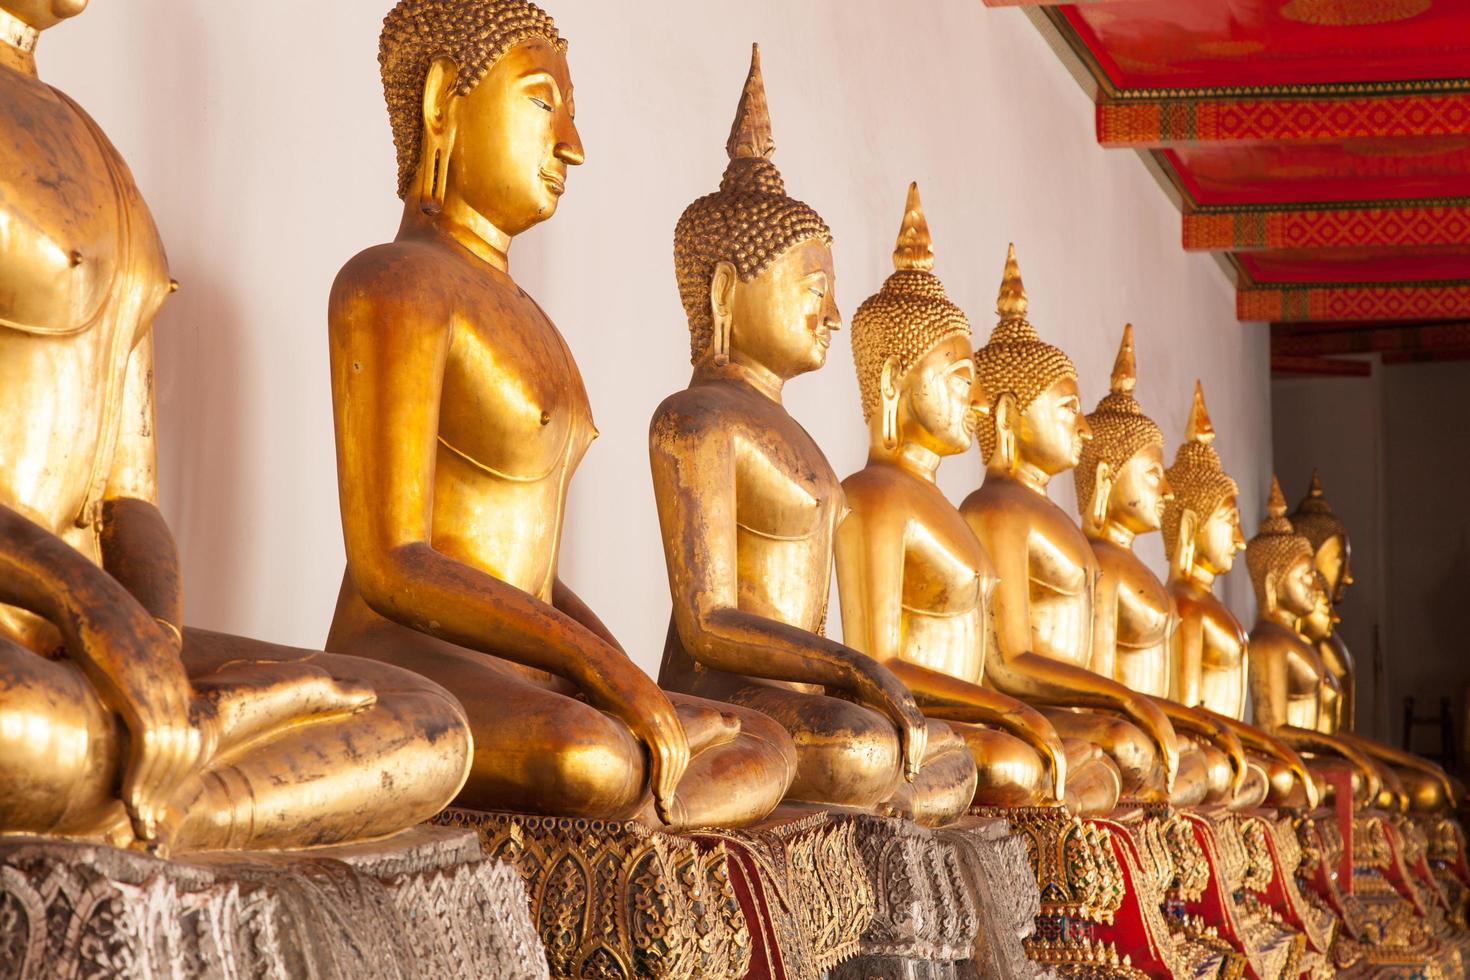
point(70, 214)
point(409, 280)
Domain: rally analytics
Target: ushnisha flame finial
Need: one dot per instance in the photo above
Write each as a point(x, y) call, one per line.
point(1315, 490)
point(1125, 368)
point(1199, 429)
point(750, 134)
point(1276, 502)
point(1011, 303)
point(915, 249)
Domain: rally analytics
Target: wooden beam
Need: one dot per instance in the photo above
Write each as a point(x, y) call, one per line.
point(1407, 223)
point(1350, 301)
point(1425, 356)
point(1184, 117)
point(1447, 337)
point(1335, 367)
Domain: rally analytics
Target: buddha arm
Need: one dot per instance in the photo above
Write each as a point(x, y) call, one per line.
point(131, 661)
point(1401, 759)
point(1264, 743)
point(138, 548)
point(1016, 671)
point(951, 699)
point(1104, 659)
point(1212, 729)
point(1339, 663)
point(694, 486)
point(1187, 654)
point(388, 346)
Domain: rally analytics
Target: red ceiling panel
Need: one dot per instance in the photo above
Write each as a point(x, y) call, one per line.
point(1206, 43)
point(1348, 265)
point(1353, 171)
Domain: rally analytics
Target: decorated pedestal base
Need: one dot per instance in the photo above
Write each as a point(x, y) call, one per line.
point(952, 902)
point(1240, 869)
point(1103, 885)
point(425, 903)
point(1382, 933)
point(803, 896)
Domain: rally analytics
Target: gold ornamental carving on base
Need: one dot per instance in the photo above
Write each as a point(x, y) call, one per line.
point(615, 900)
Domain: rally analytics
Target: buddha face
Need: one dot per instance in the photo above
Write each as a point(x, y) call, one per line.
point(42, 14)
point(1052, 429)
point(1140, 489)
point(1317, 624)
point(1334, 561)
point(1218, 540)
point(941, 399)
point(1296, 588)
point(514, 138)
point(783, 318)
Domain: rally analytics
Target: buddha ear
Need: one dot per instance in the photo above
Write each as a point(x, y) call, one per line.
point(1102, 489)
point(1005, 417)
point(438, 138)
point(721, 304)
point(1184, 542)
point(1268, 586)
point(888, 396)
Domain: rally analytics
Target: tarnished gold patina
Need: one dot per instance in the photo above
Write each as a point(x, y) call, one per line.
point(1121, 493)
point(915, 583)
point(748, 505)
point(119, 723)
point(1286, 673)
point(1043, 600)
point(1210, 650)
point(460, 419)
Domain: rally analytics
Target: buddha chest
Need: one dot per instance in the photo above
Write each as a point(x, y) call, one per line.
point(513, 402)
point(787, 505)
point(1141, 614)
point(1061, 572)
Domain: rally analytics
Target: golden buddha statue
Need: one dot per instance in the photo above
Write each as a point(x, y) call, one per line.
point(1042, 605)
point(914, 581)
point(1422, 785)
point(1121, 493)
point(1202, 536)
point(1286, 672)
point(119, 723)
point(1332, 555)
point(748, 505)
point(460, 418)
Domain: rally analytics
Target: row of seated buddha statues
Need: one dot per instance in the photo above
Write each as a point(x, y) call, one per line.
point(998, 658)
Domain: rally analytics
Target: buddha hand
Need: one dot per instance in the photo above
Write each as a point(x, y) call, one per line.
point(880, 689)
point(166, 743)
point(633, 698)
point(1147, 714)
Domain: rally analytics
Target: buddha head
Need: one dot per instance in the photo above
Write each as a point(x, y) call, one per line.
point(1035, 418)
point(1120, 475)
point(1328, 535)
point(41, 14)
point(1280, 562)
point(1202, 521)
point(1318, 624)
point(480, 99)
point(911, 347)
point(755, 266)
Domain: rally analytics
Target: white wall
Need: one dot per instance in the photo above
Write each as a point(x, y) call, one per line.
point(257, 132)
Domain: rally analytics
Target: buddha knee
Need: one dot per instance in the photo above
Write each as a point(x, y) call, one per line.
point(1011, 773)
point(1426, 794)
point(855, 762)
point(1133, 751)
